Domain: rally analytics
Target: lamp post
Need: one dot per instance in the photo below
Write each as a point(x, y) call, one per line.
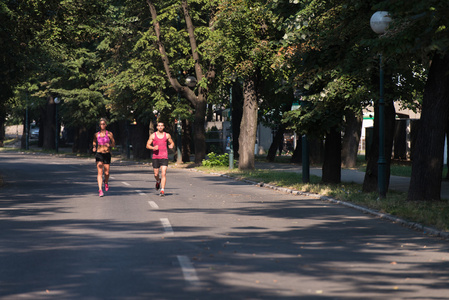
point(379, 23)
point(57, 100)
point(231, 138)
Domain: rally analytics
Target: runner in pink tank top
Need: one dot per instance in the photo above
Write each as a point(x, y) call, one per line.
point(158, 143)
point(161, 152)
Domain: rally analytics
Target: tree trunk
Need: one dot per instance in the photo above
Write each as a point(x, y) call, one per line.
point(82, 140)
point(447, 150)
point(186, 140)
point(370, 180)
point(278, 138)
point(199, 102)
point(237, 114)
point(139, 140)
point(248, 126)
point(199, 132)
point(49, 125)
point(316, 150)
point(332, 157)
point(427, 164)
point(351, 139)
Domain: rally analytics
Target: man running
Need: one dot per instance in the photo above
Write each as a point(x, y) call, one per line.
point(158, 143)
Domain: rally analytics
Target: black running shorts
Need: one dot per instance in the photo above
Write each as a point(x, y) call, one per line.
point(103, 157)
point(157, 162)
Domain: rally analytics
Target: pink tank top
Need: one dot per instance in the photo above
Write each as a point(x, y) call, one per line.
point(103, 140)
point(162, 152)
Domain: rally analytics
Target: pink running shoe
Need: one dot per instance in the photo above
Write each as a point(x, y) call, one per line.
point(162, 193)
point(100, 193)
point(106, 187)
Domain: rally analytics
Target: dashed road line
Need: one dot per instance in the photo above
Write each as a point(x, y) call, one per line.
point(167, 226)
point(140, 193)
point(126, 183)
point(153, 204)
point(188, 270)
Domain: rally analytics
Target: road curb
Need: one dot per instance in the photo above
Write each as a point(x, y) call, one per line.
point(413, 225)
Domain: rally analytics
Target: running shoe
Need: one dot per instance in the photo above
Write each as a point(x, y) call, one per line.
point(162, 193)
point(100, 193)
point(106, 187)
point(158, 185)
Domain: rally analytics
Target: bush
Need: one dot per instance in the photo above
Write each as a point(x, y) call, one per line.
point(216, 160)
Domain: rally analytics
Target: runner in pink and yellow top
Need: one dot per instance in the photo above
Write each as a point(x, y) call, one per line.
point(158, 143)
point(102, 145)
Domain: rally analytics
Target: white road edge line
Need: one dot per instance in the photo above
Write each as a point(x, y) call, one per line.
point(126, 183)
point(153, 204)
point(167, 226)
point(188, 270)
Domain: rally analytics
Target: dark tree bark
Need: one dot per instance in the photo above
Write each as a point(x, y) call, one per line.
point(370, 180)
point(351, 139)
point(316, 150)
point(248, 126)
point(237, 114)
point(186, 140)
point(278, 138)
point(2, 128)
point(427, 163)
point(447, 150)
point(83, 139)
point(48, 125)
point(332, 157)
point(2, 131)
point(140, 137)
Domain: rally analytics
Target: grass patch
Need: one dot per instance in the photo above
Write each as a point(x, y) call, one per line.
point(434, 214)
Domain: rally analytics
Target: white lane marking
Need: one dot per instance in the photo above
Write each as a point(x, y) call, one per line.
point(111, 177)
point(126, 183)
point(153, 204)
point(188, 270)
point(167, 226)
point(141, 193)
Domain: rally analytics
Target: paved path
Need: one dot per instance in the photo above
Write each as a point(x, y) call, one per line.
point(210, 237)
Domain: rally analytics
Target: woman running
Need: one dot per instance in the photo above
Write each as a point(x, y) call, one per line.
point(102, 145)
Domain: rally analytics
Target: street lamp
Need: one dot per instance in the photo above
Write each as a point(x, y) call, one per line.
point(379, 23)
point(57, 100)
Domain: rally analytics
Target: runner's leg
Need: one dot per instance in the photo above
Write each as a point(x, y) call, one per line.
point(100, 174)
point(163, 176)
point(106, 173)
point(156, 174)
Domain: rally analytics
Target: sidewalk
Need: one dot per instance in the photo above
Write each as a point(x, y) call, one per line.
point(397, 183)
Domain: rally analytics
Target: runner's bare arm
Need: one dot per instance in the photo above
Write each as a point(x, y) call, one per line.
point(150, 142)
point(111, 137)
point(171, 144)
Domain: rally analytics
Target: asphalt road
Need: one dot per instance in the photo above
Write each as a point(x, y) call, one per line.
point(209, 238)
